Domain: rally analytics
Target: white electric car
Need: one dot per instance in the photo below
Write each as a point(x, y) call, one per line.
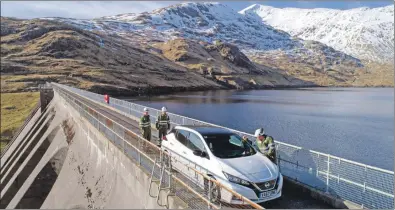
point(222, 155)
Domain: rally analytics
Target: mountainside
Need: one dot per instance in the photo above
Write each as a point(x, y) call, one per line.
point(188, 46)
point(207, 22)
point(210, 22)
point(364, 33)
point(203, 21)
point(39, 50)
point(35, 51)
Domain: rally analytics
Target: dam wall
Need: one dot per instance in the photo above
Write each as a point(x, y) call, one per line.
point(64, 162)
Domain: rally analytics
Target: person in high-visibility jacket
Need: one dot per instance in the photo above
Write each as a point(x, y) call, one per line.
point(266, 144)
point(162, 124)
point(145, 125)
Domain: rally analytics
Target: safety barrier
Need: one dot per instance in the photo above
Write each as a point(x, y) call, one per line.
point(368, 186)
point(211, 194)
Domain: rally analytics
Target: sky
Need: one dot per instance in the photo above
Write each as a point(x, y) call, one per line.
point(94, 9)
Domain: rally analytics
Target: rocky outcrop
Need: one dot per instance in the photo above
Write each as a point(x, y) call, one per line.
point(234, 55)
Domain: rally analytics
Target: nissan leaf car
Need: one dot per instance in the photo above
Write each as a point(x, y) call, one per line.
point(223, 155)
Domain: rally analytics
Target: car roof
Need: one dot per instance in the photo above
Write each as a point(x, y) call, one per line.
point(207, 130)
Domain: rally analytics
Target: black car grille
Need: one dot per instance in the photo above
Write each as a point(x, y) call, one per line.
point(262, 184)
point(268, 185)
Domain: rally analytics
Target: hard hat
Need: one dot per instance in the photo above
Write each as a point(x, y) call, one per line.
point(145, 109)
point(259, 132)
point(164, 109)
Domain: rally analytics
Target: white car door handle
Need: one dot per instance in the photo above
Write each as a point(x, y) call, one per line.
point(184, 152)
point(171, 144)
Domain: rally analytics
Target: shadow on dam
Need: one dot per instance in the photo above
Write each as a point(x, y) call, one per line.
point(32, 168)
point(43, 183)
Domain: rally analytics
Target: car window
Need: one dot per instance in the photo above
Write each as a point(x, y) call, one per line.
point(182, 137)
point(195, 143)
point(235, 141)
point(228, 146)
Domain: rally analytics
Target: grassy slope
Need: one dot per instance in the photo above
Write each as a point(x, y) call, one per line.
point(36, 51)
point(228, 63)
point(15, 107)
point(371, 75)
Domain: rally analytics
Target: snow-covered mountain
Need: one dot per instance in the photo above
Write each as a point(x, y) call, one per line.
point(362, 32)
point(204, 21)
point(209, 22)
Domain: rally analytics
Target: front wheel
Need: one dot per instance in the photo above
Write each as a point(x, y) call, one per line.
point(212, 190)
point(166, 160)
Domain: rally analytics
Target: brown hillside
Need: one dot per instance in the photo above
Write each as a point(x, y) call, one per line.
point(34, 51)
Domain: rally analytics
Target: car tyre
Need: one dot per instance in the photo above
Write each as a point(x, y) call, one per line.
point(215, 194)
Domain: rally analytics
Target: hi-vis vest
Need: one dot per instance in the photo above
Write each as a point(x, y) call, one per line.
point(145, 122)
point(267, 144)
point(163, 121)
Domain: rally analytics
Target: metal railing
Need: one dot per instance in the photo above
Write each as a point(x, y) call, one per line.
point(16, 134)
point(197, 191)
point(368, 186)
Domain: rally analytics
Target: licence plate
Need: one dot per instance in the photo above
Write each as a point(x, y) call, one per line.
point(267, 194)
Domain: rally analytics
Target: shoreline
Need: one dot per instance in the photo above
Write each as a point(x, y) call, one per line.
point(161, 91)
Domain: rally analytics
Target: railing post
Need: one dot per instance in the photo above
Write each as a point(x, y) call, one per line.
point(278, 159)
point(123, 141)
point(209, 194)
point(139, 152)
point(327, 175)
point(277, 156)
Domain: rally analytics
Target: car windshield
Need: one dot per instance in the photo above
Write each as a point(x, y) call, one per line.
point(228, 146)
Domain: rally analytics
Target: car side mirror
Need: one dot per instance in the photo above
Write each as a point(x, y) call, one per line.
point(197, 153)
point(202, 154)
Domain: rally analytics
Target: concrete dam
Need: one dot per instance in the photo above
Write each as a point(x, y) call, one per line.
point(76, 151)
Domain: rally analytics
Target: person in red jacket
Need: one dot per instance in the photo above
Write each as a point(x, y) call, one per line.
point(107, 99)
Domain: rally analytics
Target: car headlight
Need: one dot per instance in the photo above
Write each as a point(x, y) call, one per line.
point(236, 180)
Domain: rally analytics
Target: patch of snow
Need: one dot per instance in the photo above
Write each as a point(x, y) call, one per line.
point(361, 32)
point(207, 22)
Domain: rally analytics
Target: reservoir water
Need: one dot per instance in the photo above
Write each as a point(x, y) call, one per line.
point(353, 123)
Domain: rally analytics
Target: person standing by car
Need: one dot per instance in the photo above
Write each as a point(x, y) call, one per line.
point(266, 144)
point(162, 124)
point(145, 125)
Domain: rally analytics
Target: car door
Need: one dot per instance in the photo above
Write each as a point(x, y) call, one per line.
point(172, 146)
point(180, 159)
point(197, 162)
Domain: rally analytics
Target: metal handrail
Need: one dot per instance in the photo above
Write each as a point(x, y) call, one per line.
point(167, 153)
point(326, 155)
point(276, 141)
point(322, 167)
point(241, 132)
point(137, 149)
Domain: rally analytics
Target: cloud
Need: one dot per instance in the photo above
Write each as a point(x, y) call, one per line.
point(76, 9)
